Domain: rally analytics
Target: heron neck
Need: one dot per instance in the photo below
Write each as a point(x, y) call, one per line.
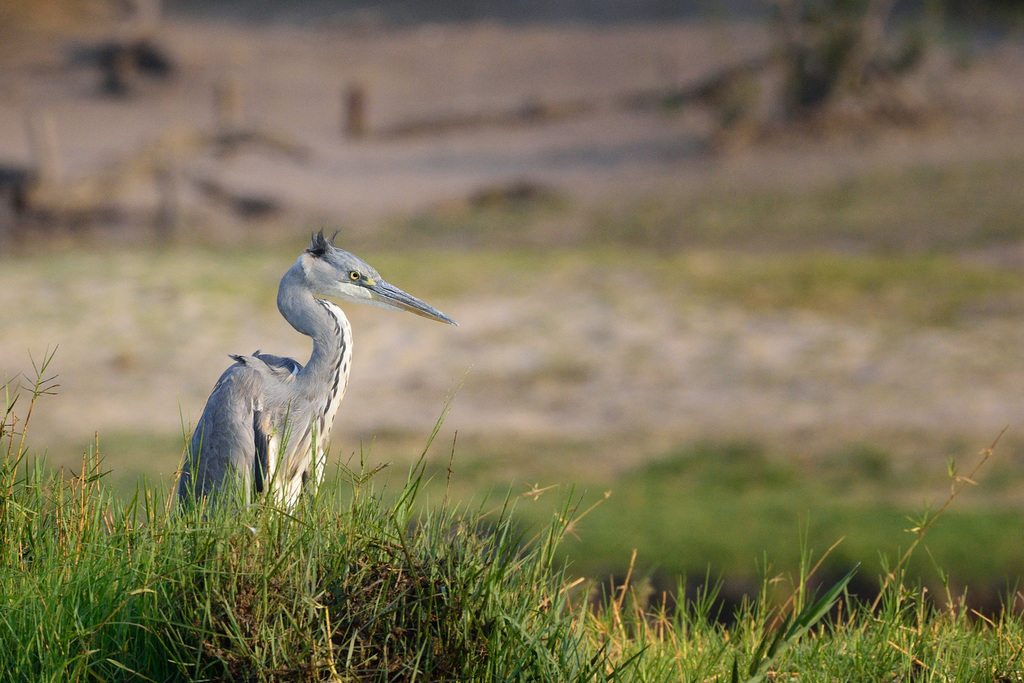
point(321, 320)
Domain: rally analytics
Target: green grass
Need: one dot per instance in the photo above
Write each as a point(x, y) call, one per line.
point(362, 584)
point(911, 289)
point(919, 289)
point(710, 505)
point(945, 206)
point(718, 506)
point(95, 589)
point(924, 208)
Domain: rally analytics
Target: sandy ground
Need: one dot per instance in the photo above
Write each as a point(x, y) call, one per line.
point(594, 365)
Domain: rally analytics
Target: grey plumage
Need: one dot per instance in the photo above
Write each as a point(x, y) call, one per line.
point(266, 426)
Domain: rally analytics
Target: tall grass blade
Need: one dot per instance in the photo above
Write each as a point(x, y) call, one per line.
point(774, 644)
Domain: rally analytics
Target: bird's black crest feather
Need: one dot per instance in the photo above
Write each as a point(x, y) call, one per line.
point(320, 245)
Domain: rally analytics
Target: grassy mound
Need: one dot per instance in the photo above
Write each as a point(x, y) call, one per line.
point(362, 584)
point(346, 586)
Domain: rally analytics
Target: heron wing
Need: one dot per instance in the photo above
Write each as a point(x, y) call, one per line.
point(245, 436)
point(280, 365)
point(289, 412)
point(230, 434)
point(262, 430)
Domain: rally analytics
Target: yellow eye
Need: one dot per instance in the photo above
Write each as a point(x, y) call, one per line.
point(354, 275)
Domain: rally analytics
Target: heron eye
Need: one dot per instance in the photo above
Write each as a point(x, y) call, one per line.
point(354, 275)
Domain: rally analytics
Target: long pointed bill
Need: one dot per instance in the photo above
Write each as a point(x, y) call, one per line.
point(390, 296)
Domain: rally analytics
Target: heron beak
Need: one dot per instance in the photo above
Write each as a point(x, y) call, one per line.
point(390, 296)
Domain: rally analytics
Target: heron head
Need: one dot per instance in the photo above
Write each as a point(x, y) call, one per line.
point(337, 273)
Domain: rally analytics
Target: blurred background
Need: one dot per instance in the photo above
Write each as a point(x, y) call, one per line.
point(746, 275)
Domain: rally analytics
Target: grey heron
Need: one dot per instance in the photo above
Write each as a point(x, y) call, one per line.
point(266, 425)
